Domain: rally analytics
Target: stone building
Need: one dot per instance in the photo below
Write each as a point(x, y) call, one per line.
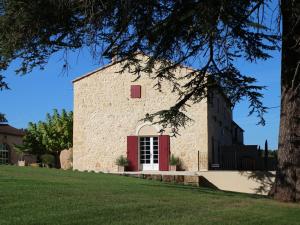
point(109, 106)
point(9, 137)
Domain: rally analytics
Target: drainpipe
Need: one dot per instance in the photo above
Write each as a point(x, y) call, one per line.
point(198, 160)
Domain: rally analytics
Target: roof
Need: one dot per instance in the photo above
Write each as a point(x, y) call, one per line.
point(113, 62)
point(9, 130)
point(93, 72)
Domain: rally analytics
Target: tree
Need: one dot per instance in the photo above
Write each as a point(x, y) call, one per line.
point(49, 137)
point(32, 141)
point(266, 155)
point(3, 85)
point(259, 152)
point(58, 133)
point(287, 186)
point(172, 32)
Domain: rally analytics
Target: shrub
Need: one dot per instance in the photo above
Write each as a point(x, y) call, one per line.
point(122, 161)
point(174, 161)
point(34, 165)
point(48, 160)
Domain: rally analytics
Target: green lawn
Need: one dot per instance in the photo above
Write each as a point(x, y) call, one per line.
point(50, 196)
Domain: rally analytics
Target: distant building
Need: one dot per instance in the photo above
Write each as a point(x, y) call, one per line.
point(9, 137)
point(108, 108)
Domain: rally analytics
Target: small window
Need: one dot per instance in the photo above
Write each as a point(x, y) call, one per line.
point(135, 91)
point(211, 99)
point(215, 118)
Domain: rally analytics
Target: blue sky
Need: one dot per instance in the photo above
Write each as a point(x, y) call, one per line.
point(35, 94)
point(268, 74)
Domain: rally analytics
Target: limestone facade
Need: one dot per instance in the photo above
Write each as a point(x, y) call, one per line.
point(105, 114)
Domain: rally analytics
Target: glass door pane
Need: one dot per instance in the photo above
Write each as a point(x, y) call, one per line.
point(145, 152)
point(155, 150)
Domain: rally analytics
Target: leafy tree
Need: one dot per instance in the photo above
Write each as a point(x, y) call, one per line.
point(3, 85)
point(214, 34)
point(32, 141)
point(49, 137)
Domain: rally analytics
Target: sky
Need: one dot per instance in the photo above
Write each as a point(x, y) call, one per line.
point(267, 74)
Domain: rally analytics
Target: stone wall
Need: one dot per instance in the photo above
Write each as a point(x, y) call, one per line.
point(12, 140)
point(104, 115)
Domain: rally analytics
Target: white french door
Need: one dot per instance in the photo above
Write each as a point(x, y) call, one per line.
point(149, 153)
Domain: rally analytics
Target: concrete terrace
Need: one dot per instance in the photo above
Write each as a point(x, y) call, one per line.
point(252, 182)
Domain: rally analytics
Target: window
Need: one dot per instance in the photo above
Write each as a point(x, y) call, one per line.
point(211, 99)
point(215, 118)
point(135, 91)
point(213, 148)
point(219, 151)
point(4, 154)
point(235, 134)
point(223, 131)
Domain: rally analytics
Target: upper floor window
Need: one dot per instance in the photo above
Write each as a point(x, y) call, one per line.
point(135, 91)
point(210, 98)
point(220, 123)
point(4, 154)
point(223, 131)
point(215, 118)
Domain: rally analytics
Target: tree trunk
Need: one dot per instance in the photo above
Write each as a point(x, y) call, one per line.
point(287, 183)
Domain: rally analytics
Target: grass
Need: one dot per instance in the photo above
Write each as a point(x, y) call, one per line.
point(50, 196)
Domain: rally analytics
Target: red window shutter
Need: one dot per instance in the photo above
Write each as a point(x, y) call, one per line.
point(135, 91)
point(132, 153)
point(164, 152)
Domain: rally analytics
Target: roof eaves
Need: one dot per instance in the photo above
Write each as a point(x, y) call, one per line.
point(93, 72)
point(12, 134)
